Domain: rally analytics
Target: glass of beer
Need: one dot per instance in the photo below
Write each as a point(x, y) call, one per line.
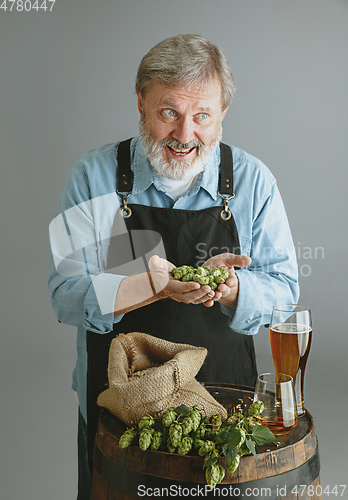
point(277, 392)
point(291, 338)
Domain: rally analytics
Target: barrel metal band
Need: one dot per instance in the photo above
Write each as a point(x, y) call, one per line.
point(129, 480)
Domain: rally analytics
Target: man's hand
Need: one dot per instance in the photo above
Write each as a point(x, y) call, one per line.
point(227, 293)
point(166, 286)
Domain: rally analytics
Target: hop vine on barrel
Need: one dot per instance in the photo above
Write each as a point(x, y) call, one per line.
point(183, 430)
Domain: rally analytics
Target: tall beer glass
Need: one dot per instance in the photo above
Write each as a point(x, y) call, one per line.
point(291, 338)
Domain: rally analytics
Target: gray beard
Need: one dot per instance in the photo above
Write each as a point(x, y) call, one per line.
point(176, 169)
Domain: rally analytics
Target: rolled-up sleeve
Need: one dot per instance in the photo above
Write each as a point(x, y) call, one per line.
point(81, 292)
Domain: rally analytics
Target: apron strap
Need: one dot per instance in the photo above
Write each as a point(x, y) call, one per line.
point(226, 170)
point(124, 174)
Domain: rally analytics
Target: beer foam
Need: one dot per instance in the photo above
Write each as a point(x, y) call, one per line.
point(291, 328)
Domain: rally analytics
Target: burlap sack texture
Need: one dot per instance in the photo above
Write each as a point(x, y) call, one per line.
point(148, 375)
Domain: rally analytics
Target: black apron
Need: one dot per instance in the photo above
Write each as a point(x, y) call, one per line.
point(231, 356)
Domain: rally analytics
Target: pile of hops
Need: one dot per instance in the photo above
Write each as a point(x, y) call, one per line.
point(184, 430)
point(204, 275)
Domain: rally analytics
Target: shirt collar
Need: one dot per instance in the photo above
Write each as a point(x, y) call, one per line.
point(144, 175)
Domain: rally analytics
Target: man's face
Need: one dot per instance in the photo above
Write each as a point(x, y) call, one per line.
point(180, 127)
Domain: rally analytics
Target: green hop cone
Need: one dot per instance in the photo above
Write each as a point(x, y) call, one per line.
point(224, 273)
point(214, 474)
point(216, 421)
point(176, 273)
point(206, 448)
point(179, 272)
point(213, 285)
point(243, 450)
point(170, 447)
point(156, 441)
point(188, 277)
point(252, 421)
point(185, 445)
point(187, 426)
point(219, 279)
point(235, 418)
point(147, 421)
point(199, 433)
point(215, 271)
point(222, 473)
point(202, 280)
point(175, 434)
point(242, 436)
point(202, 271)
point(233, 466)
point(168, 417)
point(198, 443)
point(128, 437)
point(145, 438)
point(212, 454)
point(256, 408)
point(196, 418)
point(210, 433)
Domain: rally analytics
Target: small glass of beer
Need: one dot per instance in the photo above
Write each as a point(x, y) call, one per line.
point(277, 392)
point(291, 338)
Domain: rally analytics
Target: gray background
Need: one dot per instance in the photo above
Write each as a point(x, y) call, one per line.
point(67, 86)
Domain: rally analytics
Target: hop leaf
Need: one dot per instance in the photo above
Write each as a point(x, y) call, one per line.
point(230, 451)
point(262, 435)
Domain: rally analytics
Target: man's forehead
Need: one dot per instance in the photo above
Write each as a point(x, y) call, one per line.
point(205, 95)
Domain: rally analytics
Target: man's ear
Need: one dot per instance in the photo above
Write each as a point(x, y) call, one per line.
point(224, 113)
point(140, 105)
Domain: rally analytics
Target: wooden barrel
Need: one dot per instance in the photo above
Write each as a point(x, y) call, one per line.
point(288, 471)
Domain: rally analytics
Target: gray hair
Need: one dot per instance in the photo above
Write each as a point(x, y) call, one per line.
point(184, 60)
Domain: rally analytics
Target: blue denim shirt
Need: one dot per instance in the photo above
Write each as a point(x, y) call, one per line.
point(83, 292)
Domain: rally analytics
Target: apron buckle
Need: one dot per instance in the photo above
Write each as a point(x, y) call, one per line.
point(225, 213)
point(126, 212)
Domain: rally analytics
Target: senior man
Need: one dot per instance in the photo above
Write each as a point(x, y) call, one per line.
point(175, 195)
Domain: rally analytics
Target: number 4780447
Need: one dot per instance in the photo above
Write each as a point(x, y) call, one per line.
point(318, 491)
point(27, 5)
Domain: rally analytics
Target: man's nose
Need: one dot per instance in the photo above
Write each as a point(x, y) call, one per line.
point(184, 131)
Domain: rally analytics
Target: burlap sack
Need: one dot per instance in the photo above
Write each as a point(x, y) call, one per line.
point(148, 374)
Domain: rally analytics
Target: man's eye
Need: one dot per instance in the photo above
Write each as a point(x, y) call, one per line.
point(203, 116)
point(169, 112)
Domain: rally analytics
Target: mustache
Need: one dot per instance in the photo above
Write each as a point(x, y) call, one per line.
point(173, 143)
